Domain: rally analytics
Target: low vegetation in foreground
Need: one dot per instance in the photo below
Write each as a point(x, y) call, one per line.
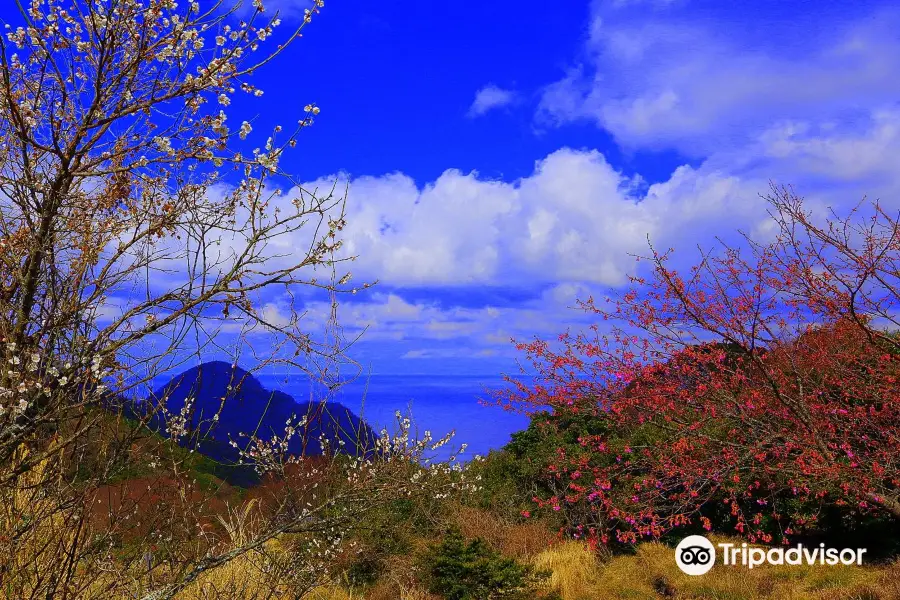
point(525, 562)
point(753, 396)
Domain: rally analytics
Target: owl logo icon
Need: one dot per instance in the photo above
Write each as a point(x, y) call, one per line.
point(695, 555)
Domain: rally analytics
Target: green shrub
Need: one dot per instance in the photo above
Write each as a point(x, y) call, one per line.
point(511, 477)
point(364, 571)
point(461, 570)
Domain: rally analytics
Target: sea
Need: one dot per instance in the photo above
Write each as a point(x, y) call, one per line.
point(437, 403)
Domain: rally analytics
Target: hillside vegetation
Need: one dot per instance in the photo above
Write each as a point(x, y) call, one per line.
point(754, 396)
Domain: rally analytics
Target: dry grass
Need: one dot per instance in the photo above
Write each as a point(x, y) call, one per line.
point(578, 575)
point(243, 577)
point(652, 573)
point(521, 541)
point(386, 590)
point(332, 592)
point(575, 570)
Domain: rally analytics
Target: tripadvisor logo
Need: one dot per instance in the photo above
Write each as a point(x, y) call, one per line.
point(696, 555)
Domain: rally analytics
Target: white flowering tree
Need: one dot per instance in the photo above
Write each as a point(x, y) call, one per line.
point(136, 226)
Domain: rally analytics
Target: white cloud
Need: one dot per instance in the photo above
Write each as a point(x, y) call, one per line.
point(275, 315)
point(489, 98)
point(831, 163)
point(818, 114)
point(444, 353)
point(694, 82)
point(575, 218)
point(387, 317)
point(568, 227)
point(571, 224)
point(860, 153)
point(820, 117)
point(629, 3)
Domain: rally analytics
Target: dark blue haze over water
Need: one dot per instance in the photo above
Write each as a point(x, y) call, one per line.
point(435, 403)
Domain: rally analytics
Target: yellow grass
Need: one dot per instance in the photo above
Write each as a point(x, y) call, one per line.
point(379, 592)
point(332, 593)
point(575, 570)
point(652, 573)
point(39, 546)
point(520, 541)
point(243, 577)
point(577, 574)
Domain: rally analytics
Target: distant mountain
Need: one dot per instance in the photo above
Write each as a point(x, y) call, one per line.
point(244, 406)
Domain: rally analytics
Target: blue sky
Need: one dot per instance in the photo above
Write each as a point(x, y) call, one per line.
point(505, 157)
point(521, 150)
point(518, 151)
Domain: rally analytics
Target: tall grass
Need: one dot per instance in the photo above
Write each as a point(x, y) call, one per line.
point(575, 570)
point(516, 540)
point(652, 573)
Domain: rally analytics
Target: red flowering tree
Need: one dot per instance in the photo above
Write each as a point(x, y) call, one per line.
point(753, 389)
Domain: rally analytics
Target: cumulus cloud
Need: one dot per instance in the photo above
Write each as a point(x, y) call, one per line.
point(866, 151)
point(421, 326)
point(818, 112)
point(575, 218)
point(490, 97)
point(696, 82)
point(566, 231)
point(569, 227)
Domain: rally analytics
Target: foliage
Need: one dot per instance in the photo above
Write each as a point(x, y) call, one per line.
point(461, 570)
point(652, 573)
point(139, 231)
point(754, 391)
point(518, 538)
point(364, 571)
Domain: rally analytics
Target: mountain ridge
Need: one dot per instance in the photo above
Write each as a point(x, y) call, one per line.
point(229, 406)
